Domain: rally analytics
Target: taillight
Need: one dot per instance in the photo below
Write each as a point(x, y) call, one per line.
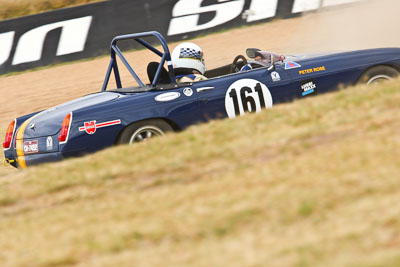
point(9, 135)
point(63, 137)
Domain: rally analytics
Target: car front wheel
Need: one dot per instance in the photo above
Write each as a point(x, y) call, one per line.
point(378, 74)
point(143, 130)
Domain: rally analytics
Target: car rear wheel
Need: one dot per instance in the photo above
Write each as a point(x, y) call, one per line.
point(141, 131)
point(378, 74)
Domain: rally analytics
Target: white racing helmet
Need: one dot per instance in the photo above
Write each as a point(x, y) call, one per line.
point(188, 57)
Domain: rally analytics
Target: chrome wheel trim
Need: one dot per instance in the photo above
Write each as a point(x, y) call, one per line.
point(379, 77)
point(144, 133)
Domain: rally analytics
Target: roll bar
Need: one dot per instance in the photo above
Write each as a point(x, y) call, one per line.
point(165, 56)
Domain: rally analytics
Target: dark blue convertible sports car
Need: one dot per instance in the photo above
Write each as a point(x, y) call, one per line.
point(133, 114)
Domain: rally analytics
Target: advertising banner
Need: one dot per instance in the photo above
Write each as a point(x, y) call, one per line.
point(86, 31)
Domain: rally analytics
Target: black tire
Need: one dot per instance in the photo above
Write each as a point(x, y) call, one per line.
point(143, 130)
point(378, 74)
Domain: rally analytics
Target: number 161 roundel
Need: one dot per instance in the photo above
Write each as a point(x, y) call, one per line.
point(246, 95)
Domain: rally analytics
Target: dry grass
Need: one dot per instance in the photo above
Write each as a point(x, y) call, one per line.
point(312, 183)
point(18, 8)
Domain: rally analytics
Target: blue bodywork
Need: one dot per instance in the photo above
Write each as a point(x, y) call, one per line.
point(182, 105)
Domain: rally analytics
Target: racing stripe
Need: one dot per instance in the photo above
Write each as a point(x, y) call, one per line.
point(20, 142)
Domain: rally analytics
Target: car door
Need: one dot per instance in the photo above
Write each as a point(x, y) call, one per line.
point(236, 94)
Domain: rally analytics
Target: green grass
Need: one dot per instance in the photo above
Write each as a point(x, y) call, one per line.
point(18, 8)
point(311, 183)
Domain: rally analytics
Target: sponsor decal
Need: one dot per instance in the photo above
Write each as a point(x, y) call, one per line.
point(308, 87)
point(90, 127)
point(275, 76)
point(308, 71)
point(167, 96)
point(292, 65)
point(31, 147)
point(49, 143)
point(188, 91)
point(246, 95)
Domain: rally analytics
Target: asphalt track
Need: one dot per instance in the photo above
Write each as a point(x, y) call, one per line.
point(364, 25)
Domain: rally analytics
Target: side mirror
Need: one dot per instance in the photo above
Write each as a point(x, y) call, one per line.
point(251, 52)
point(272, 60)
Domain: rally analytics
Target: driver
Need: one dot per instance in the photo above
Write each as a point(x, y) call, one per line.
point(261, 59)
point(188, 63)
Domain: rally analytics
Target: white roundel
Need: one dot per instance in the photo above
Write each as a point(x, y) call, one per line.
point(246, 95)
